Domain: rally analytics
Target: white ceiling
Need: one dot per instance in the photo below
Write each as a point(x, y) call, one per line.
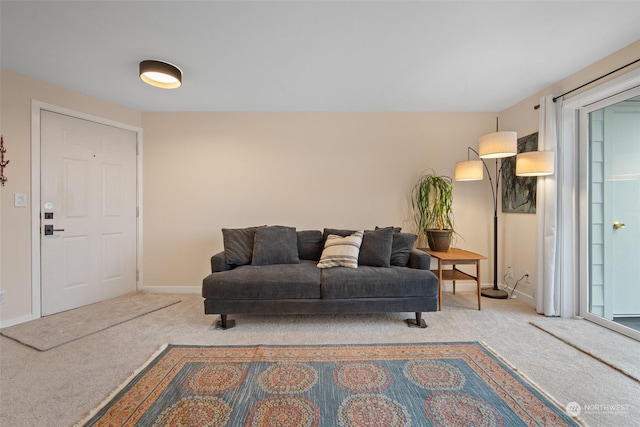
point(314, 55)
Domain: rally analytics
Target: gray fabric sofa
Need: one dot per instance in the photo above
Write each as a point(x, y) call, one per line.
point(279, 281)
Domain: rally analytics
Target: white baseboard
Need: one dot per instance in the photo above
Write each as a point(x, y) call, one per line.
point(526, 298)
point(17, 320)
point(172, 289)
point(471, 286)
point(460, 286)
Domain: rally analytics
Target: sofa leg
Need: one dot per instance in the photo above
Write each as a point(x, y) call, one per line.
point(418, 322)
point(223, 323)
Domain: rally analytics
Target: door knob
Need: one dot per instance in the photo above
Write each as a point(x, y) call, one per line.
point(617, 225)
point(48, 230)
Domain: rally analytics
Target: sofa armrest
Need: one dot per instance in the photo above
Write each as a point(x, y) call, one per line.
point(419, 259)
point(218, 263)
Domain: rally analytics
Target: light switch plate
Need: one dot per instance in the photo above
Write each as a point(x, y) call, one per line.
point(20, 200)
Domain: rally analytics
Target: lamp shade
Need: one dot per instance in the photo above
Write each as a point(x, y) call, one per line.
point(469, 170)
point(160, 74)
point(535, 163)
point(498, 144)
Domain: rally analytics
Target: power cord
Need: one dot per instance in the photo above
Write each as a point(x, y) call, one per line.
point(504, 279)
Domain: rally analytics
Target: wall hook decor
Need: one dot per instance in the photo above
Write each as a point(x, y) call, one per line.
point(3, 162)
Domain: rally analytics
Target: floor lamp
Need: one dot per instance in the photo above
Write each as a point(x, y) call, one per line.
point(499, 145)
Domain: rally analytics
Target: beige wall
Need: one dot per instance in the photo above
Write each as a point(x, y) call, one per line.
point(17, 91)
point(518, 246)
point(206, 171)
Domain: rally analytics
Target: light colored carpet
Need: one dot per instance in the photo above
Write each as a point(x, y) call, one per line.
point(60, 386)
point(62, 328)
point(618, 351)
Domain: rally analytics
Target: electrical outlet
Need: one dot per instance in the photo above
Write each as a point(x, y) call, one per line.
point(3, 297)
point(527, 277)
point(509, 273)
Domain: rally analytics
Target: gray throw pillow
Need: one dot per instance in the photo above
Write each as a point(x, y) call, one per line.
point(376, 248)
point(238, 245)
point(336, 232)
point(275, 244)
point(310, 244)
point(401, 248)
point(395, 229)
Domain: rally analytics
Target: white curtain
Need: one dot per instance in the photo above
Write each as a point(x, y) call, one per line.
point(548, 212)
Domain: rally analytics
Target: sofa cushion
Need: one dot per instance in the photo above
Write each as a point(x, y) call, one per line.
point(238, 245)
point(378, 282)
point(249, 282)
point(376, 248)
point(401, 248)
point(341, 251)
point(275, 244)
point(310, 244)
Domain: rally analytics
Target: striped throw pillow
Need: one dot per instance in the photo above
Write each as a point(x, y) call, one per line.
point(341, 251)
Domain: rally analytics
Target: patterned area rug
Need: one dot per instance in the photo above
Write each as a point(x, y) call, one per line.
point(434, 384)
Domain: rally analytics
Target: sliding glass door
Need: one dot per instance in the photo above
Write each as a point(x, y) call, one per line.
point(611, 141)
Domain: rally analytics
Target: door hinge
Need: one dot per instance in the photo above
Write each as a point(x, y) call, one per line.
point(137, 149)
point(137, 212)
point(137, 275)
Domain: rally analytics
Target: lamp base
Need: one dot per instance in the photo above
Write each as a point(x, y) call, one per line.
point(494, 293)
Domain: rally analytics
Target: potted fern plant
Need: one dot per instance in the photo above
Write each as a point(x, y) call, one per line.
point(432, 200)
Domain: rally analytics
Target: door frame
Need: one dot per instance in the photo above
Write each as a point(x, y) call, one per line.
point(575, 168)
point(36, 108)
point(585, 223)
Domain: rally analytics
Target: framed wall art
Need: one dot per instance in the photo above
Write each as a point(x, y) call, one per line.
point(519, 193)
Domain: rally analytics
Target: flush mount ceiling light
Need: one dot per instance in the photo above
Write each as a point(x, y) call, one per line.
point(160, 74)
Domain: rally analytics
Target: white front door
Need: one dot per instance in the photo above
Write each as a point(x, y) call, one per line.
point(88, 212)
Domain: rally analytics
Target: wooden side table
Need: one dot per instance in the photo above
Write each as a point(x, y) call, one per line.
point(453, 257)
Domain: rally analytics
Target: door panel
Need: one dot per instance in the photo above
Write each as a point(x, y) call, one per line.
point(614, 213)
point(75, 175)
point(622, 137)
point(112, 261)
point(88, 183)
